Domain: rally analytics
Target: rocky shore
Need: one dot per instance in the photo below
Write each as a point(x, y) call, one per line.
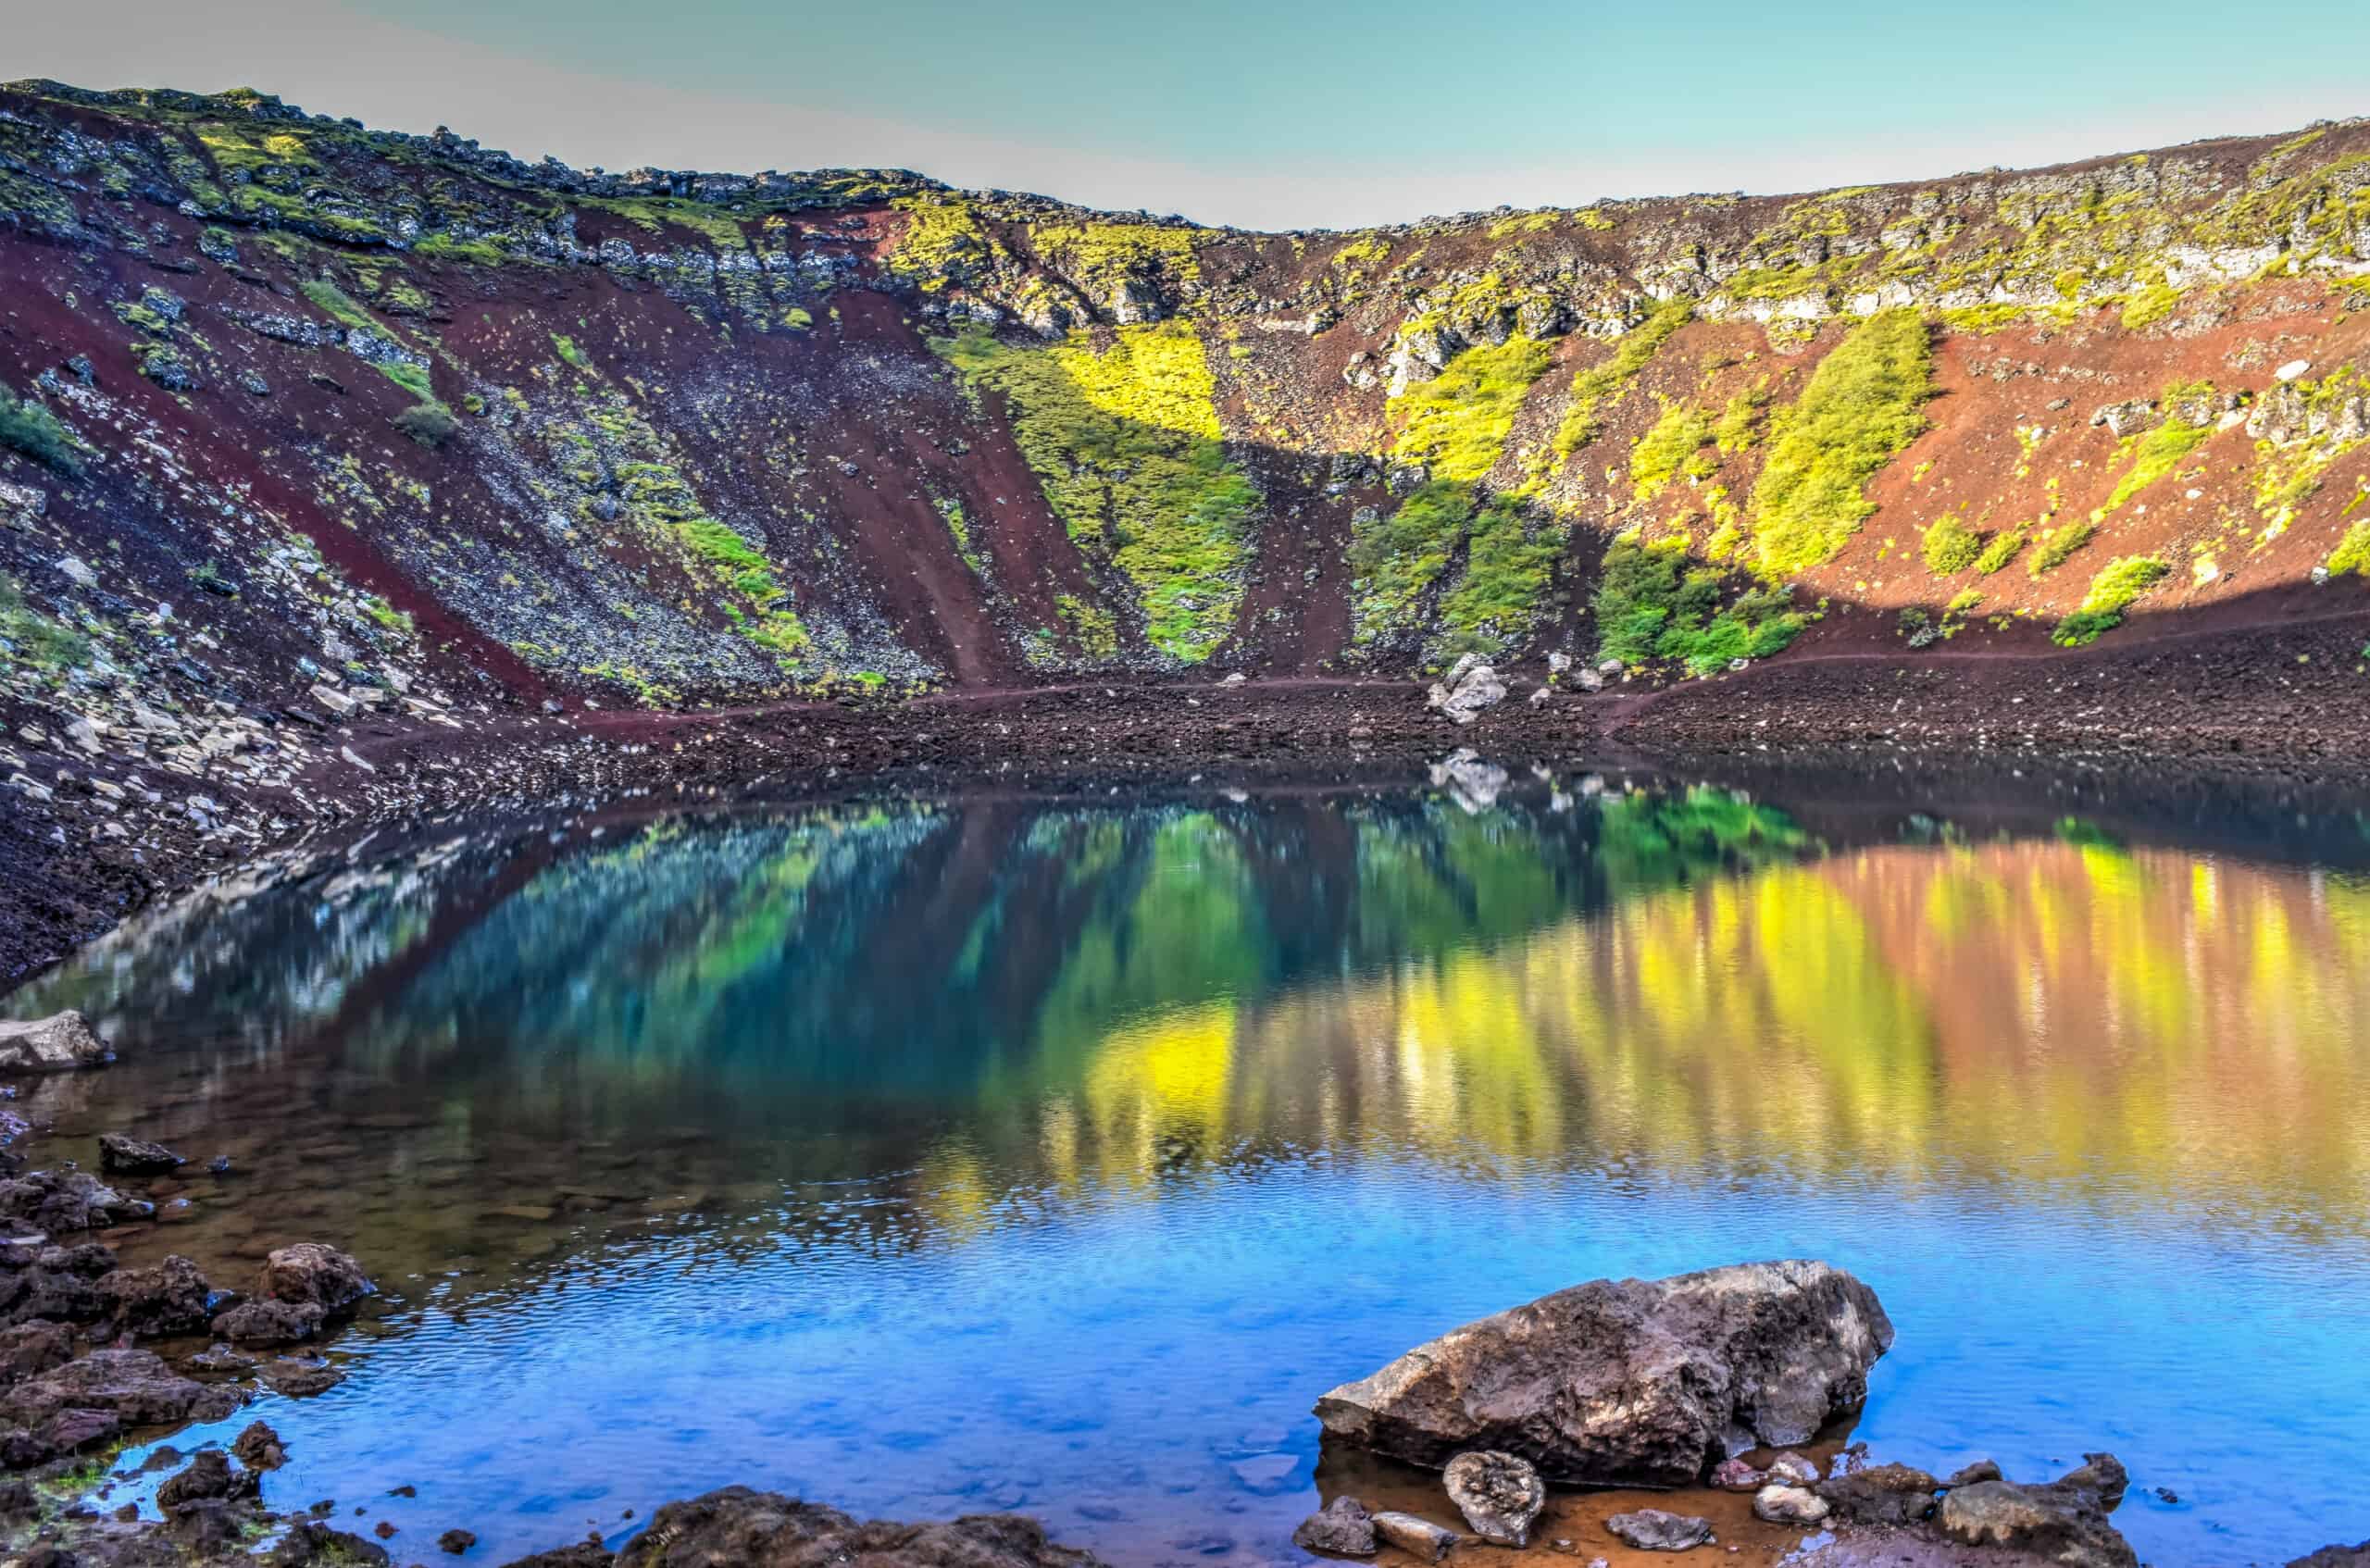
point(101, 818)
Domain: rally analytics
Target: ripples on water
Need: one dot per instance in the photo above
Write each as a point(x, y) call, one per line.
point(936, 1156)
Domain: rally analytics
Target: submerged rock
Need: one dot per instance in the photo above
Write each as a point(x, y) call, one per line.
point(1499, 1495)
point(2065, 1520)
point(1343, 1527)
point(1630, 1382)
point(1650, 1530)
point(61, 1042)
point(55, 1201)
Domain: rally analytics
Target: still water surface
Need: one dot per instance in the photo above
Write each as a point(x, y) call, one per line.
point(934, 1156)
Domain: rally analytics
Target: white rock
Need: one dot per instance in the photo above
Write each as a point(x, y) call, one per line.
point(2291, 370)
point(77, 572)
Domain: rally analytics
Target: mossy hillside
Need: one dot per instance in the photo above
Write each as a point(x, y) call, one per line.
point(2117, 586)
point(1600, 385)
point(1456, 423)
point(1860, 409)
point(1399, 560)
point(27, 426)
point(1123, 436)
point(1674, 447)
point(1654, 602)
point(31, 641)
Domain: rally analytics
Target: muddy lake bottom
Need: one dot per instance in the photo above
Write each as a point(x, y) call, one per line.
point(932, 1156)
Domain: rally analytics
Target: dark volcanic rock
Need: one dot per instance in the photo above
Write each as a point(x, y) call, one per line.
point(128, 1156)
point(1967, 1475)
point(270, 1322)
point(57, 1202)
point(753, 1529)
point(28, 1349)
point(584, 1554)
point(1650, 1530)
point(1881, 1494)
point(2336, 1557)
point(1343, 1527)
point(2065, 1520)
point(260, 1448)
point(59, 1043)
point(135, 1384)
point(312, 1275)
point(160, 1299)
point(1630, 1382)
point(209, 1475)
point(455, 1541)
point(310, 1542)
point(1499, 1495)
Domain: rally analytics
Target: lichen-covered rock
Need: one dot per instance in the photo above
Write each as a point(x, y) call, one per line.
point(1499, 1495)
point(61, 1042)
point(1630, 1382)
point(2065, 1520)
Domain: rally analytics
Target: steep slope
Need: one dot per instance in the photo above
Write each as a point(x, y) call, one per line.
point(308, 407)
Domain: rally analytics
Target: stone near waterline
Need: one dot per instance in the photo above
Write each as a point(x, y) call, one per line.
point(1419, 1538)
point(314, 1274)
point(209, 1475)
point(157, 1299)
point(59, 1043)
point(1967, 1475)
point(260, 1448)
point(1341, 1527)
point(133, 1385)
point(1629, 1382)
point(266, 1324)
point(2065, 1520)
point(752, 1529)
point(121, 1155)
point(455, 1541)
point(1737, 1475)
point(2336, 1557)
point(1791, 1469)
point(1881, 1494)
point(1652, 1529)
point(53, 1203)
point(1499, 1495)
point(1469, 687)
point(28, 1349)
point(299, 1379)
point(1780, 1504)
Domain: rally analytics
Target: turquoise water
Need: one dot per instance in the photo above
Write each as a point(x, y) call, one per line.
point(933, 1157)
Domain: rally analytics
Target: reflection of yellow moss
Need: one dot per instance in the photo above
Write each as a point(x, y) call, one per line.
point(1167, 1071)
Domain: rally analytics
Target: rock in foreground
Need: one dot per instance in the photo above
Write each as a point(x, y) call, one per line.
point(753, 1529)
point(1630, 1382)
point(59, 1044)
point(2065, 1520)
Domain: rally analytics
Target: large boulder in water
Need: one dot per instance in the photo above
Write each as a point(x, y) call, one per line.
point(752, 1529)
point(59, 1043)
point(1630, 1382)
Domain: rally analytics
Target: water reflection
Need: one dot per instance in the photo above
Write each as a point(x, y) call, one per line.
point(1150, 1075)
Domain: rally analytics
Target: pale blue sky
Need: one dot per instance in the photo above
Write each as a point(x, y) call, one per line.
point(1270, 114)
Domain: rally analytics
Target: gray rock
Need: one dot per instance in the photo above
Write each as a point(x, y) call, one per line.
point(1792, 1470)
point(1650, 1530)
point(2065, 1520)
point(155, 1300)
point(1780, 1504)
point(1343, 1527)
point(1500, 1496)
point(60, 1042)
point(1967, 1475)
point(1735, 1476)
point(1418, 1538)
point(755, 1529)
point(1629, 1382)
point(1469, 688)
